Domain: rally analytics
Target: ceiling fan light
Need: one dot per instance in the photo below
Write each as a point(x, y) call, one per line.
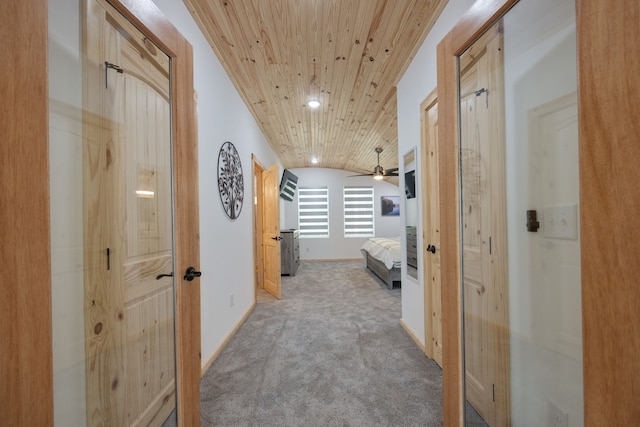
point(378, 172)
point(314, 103)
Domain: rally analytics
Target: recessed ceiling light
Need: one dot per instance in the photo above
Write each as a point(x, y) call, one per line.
point(314, 103)
point(314, 160)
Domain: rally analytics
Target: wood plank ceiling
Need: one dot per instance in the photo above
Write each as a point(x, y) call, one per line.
point(347, 54)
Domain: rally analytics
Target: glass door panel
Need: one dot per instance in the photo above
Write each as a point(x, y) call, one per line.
point(111, 186)
point(519, 220)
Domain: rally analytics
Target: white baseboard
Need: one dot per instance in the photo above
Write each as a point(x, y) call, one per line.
point(224, 343)
point(413, 336)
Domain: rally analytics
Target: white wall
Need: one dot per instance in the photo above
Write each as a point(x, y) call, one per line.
point(336, 246)
point(418, 81)
point(226, 246)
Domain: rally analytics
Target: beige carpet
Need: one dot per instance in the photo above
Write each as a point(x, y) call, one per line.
point(330, 353)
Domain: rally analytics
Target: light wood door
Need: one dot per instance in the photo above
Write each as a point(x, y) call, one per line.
point(258, 250)
point(484, 228)
point(475, 218)
point(431, 227)
point(271, 231)
point(129, 290)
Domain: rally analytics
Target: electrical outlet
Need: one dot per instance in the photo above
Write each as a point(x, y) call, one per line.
point(231, 300)
point(557, 417)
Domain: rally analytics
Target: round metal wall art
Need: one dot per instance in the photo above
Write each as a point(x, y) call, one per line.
point(230, 180)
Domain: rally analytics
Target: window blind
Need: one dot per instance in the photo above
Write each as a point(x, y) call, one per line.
point(313, 212)
point(358, 212)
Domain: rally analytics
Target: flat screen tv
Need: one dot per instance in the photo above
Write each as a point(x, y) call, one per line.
point(288, 185)
point(410, 184)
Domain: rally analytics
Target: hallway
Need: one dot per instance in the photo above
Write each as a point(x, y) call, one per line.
point(331, 352)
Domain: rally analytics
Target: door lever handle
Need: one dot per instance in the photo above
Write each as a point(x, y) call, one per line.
point(160, 276)
point(191, 274)
point(277, 238)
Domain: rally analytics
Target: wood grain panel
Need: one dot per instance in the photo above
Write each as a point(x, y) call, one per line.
point(347, 54)
point(149, 19)
point(150, 380)
point(258, 206)
point(271, 231)
point(26, 365)
point(452, 352)
point(476, 20)
point(431, 226)
point(609, 122)
point(129, 315)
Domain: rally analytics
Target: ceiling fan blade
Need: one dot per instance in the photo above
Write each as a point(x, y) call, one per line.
point(391, 172)
point(379, 171)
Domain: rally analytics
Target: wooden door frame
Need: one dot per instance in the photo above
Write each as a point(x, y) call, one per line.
point(258, 227)
point(25, 306)
point(608, 119)
point(610, 242)
point(610, 294)
point(477, 19)
point(26, 359)
point(145, 15)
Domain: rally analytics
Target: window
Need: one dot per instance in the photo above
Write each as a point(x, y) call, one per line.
point(313, 212)
point(358, 212)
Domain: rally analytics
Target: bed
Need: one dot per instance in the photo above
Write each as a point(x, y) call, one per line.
point(382, 255)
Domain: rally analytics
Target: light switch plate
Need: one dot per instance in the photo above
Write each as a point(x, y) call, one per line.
point(560, 222)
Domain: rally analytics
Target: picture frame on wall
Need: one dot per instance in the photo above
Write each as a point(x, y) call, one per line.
point(390, 205)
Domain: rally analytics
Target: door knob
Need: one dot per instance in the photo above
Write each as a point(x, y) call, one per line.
point(191, 274)
point(277, 238)
point(431, 248)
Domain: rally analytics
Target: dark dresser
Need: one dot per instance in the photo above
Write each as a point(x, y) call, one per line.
point(290, 255)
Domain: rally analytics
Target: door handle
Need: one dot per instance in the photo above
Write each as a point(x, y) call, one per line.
point(431, 248)
point(160, 276)
point(191, 274)
point(277, 238)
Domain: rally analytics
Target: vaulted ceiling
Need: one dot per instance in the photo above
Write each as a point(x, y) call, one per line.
point(347, 54)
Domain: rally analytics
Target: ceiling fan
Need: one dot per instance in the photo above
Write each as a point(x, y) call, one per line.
point(379, 172)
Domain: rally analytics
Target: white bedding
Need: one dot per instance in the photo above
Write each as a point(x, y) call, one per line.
point(385, 249)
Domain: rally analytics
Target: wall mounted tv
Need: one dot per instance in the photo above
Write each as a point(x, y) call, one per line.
point(410, 184)
point(288, 185)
